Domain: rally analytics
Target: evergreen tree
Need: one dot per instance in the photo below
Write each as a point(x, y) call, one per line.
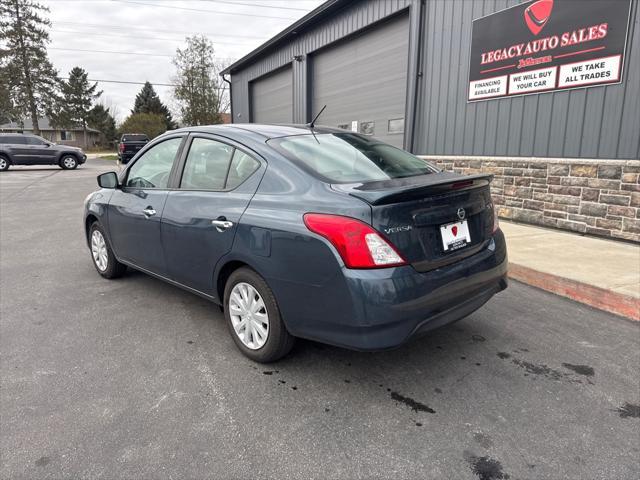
point(29, 75)
point(6, 105)
point(75, 102)
point(147, 101)
point(101, 119)
point(199, 90)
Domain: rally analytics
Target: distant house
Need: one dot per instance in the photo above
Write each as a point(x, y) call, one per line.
point(72, 136)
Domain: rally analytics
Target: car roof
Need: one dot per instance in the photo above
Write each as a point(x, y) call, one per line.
point(267, 131)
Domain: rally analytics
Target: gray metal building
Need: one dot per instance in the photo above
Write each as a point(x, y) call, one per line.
point(400, 69)
point(382, 61)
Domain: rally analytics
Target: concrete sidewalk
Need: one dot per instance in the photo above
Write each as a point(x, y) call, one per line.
point(602, 273)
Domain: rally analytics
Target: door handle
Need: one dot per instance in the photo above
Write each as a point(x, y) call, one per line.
point(149, 212)
point(222, 225)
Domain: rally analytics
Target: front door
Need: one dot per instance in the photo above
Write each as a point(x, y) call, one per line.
point(135, 210)
point(201, 217)
point(41, 151)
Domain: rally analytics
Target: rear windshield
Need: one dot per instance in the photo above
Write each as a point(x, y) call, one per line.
point(135, 138)
point(350, 158)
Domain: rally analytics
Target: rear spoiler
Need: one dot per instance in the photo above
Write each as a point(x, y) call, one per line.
point(402, 189)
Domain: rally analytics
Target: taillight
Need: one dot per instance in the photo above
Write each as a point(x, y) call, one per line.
point(359, 245)
point(121, 147)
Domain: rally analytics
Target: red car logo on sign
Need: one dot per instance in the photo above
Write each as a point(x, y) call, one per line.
point(537, 15)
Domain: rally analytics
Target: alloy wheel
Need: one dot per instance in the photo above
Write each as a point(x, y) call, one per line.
point(249, 315)
point(69, 162)
point(3, 163)
point(99, 250)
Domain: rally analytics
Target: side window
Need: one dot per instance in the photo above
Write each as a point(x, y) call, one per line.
point(242, 166)
point(18, 140)
point(152, 169)
point(207, 165)
point(34, 141)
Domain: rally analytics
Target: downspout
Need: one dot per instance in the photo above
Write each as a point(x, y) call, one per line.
point(416, 73)
point(230, 97)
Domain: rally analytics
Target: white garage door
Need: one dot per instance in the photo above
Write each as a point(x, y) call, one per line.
point(272, 98)
point(364, 80)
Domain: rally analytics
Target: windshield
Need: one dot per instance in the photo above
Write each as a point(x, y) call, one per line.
point(135, 138)
point(350, 158)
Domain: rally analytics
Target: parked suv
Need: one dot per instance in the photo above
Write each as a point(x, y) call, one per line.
point(21, 149)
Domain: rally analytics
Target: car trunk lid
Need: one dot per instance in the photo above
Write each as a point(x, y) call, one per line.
point(411, 211)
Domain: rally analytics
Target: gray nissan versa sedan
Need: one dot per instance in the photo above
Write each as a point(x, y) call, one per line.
point(302, 231)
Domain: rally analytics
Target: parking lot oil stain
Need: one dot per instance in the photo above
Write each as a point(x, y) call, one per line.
point(486, 468)
point(483, 439)
point(43, 461)
point(282, 381)
point(629, 410)
point(190, 342)
point(410, 402)
point(478, 364)
point(327, 409)
point(418, 424)
point(294, 388)
point(580, 369)
point(463, 358)
point(541, 369)
point(347, 381)
point(268, 372)
point(478, 338)
point(504, 355)
point(437, 390)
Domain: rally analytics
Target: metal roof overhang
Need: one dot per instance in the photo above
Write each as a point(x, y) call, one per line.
point(304, 23)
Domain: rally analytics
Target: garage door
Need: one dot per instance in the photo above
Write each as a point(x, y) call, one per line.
point(272, 98)
point(364, 80)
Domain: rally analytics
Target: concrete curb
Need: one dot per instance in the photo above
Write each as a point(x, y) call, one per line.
point(623, 305)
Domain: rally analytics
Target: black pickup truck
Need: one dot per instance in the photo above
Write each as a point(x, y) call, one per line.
point(129, 145)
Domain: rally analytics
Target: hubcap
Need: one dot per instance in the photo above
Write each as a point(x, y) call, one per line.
point(69, 162)
point(248, 316)
point(3, 163)
point(99, 250)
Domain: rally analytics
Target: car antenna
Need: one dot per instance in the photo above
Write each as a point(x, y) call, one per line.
point(313, 122)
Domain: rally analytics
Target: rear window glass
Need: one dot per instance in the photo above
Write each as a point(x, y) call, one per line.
point(350, 158)
point(135, 138)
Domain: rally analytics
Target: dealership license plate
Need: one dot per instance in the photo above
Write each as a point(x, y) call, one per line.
point(455, 235)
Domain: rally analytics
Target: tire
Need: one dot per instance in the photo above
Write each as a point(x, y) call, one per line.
point(68, 162)
point(278, 341)
point(113, 268)
point(4, 163)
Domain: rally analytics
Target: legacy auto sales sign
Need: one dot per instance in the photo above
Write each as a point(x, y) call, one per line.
point(547, 45)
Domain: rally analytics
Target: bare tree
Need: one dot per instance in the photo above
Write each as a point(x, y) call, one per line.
point(200, 91)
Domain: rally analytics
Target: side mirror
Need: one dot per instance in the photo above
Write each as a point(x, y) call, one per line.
point(108, 180)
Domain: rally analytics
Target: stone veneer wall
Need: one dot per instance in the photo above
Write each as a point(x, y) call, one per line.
point(595, 197)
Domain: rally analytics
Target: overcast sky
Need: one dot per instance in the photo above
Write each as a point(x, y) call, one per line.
point(149, 31)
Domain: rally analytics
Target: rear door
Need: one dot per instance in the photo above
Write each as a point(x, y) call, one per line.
point(216, 182)
point(20, 151)
point(135, 209)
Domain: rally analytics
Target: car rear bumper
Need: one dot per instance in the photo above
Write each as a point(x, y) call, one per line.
point(384, 308)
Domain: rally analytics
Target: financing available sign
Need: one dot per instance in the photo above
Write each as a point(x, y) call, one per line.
point(545, 45)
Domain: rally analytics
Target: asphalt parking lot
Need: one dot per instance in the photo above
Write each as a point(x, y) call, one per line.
point(134, 378)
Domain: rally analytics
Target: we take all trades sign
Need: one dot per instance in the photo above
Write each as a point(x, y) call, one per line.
point(545, 45)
